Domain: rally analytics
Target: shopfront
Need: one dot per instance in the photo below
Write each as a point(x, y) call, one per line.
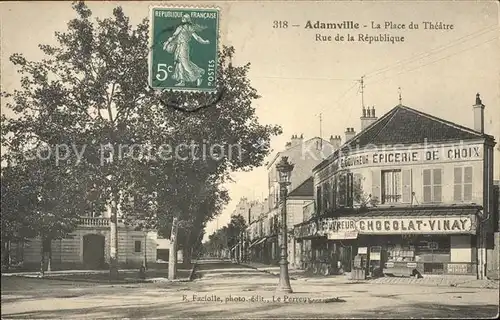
point(394, 244)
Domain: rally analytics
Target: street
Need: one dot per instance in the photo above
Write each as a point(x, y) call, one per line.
point(227, 290)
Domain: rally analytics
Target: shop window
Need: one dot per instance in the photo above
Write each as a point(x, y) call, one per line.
point(432, 185)
point(137, 246)
point(462, 190)
point(391, 186)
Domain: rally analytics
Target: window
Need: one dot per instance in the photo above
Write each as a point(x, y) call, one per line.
point(391, 186)
point(432, 185)
point(462, 190)
point(344, 190)
point(357, 186)
point(138, 246)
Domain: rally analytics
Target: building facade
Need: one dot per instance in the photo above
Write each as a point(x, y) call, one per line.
point(88, 247)
point(411, 193)
point(305, 155)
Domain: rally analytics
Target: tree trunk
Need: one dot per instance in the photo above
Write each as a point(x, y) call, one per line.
point(49, 261)
point(186, 255)
point(42, 259)
point(172, 253)
point(145, 260)
point(6, 254)
point(113, 240)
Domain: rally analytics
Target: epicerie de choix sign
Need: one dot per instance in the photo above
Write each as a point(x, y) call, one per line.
point(382, 156)
point(349, 228)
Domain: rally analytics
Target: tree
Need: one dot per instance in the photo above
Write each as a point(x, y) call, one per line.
point(91, 95)
point(40, 200)
point(227, 237)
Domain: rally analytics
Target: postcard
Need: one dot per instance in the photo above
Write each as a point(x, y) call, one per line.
point(250, 159)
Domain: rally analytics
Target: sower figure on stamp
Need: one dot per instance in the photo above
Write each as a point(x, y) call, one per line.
point(185, 70)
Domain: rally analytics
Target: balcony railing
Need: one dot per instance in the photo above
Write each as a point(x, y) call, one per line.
point(388, 198)
point(94, 222)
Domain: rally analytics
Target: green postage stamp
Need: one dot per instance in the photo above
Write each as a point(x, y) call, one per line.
point(184, 44)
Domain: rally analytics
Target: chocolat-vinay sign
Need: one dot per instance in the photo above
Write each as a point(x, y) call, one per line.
point(350, 228)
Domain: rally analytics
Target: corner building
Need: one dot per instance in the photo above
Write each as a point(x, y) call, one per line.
point(411, 192)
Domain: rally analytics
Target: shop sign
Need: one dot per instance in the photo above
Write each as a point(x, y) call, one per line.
point(457, 268)
point(412, 156)
point(342, 235)
point(305, 230)
point(327, 226)
point(425, 225)
point(411, 265)
point(350, 228)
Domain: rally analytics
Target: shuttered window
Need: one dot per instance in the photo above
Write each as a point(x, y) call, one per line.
point(344, 190)
point(349, 189)
point(342, 186)
point(432, 183)
point(462, 186)
point(358, 196)
point(407, 196)
point(335, 193)
point(326, 196)
point(318, 201)
point(375, 186)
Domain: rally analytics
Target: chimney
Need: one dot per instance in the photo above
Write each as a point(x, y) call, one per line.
point(478, 115)
point(335, 141)
point(296, 140)
point(349, 133)
point(368, 117)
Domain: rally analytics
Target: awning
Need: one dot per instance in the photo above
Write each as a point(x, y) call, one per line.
point(234, 247)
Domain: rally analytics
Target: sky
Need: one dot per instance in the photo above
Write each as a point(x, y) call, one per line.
point(439, 71)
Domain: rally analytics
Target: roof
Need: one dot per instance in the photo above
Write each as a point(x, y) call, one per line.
point(305, 189)
point(402, 212)
point(404, 125)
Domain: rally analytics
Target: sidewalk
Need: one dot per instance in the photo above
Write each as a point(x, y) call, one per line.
point(449, 281)
point(294, 273)
point(99, 276)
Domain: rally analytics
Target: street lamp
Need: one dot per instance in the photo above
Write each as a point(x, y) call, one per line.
point(284, 169)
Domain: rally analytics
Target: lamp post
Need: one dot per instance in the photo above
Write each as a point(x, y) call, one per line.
point(284, 169)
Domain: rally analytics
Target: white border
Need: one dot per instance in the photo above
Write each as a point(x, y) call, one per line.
point(150, 45)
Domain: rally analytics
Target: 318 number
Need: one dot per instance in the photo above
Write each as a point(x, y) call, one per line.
point(280, 24)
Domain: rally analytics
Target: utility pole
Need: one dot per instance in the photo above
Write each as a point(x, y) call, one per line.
point(361, 89)
point(321, 131)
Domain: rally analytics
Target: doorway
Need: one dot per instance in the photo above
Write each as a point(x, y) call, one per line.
point(93, 251)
